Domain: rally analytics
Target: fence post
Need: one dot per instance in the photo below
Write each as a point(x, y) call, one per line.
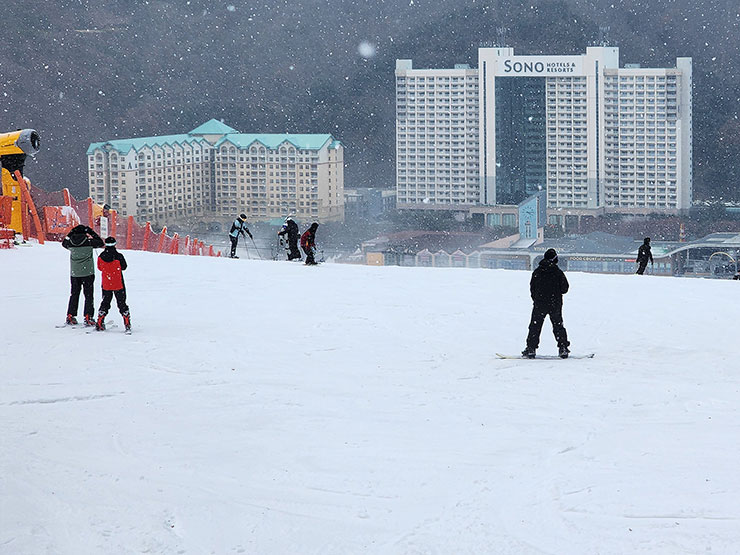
point(175, 244)
point(161, 239)
point(210, 250)
point(130, 234)
point(27, 200)
point(67, 197)
point(113, 218)
point(187, 245)
point(90, 219)
point(147, 234)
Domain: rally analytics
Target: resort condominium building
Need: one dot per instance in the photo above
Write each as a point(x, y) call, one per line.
point(216, 172)
point(589, 133)
point(436, 136)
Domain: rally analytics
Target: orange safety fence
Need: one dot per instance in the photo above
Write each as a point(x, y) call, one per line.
point(59, 212)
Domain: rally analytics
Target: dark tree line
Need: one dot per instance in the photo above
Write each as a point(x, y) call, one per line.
point(83, 71)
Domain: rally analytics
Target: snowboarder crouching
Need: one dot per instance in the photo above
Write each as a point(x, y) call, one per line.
point(290, 228)
point(239, 226)
point(308, 243)
point(80, 242)
point(547, 287)
point(112, 264)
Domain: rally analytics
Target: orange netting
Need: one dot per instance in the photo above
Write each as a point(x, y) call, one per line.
point(60, 211)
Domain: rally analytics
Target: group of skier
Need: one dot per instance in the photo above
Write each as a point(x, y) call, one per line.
point(289, 233)
point(80, 241)
point(547, 285)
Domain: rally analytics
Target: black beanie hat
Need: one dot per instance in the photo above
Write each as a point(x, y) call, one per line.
point(550, 254)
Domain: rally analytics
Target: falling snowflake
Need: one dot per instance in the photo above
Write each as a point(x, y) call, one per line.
point(366, 49)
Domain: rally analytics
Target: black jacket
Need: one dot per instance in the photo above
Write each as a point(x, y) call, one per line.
point(548, 283)
point(291, 228)
point(644, 253)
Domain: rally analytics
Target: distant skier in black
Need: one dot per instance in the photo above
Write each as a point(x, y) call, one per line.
point(290, 228)
point(308, 243)
point(547, 287)
point(239, 226)
point(644, 254)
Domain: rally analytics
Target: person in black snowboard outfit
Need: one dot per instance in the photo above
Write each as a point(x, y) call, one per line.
point(290, 228)
point(547, 287)
point(644, 254)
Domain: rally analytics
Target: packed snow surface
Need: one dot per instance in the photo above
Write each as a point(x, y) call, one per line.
point(272, 408)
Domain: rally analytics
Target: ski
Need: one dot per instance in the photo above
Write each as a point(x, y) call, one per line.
point(544, 357)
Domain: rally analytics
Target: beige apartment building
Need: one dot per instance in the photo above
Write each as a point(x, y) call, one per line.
point(215, 172)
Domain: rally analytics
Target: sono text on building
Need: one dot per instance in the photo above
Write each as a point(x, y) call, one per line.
point(595, 137)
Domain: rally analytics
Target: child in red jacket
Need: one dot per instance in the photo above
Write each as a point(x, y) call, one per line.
point(112, 263)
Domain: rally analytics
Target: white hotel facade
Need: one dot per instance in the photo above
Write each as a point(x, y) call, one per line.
point(596, 137)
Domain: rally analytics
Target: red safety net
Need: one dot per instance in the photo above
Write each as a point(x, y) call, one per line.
point(60, 211)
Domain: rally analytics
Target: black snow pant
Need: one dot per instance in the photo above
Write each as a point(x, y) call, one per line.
point(86, 285)
point(234, 242)
point(309, 256)
point(294, 252)
point(641, 269)
point(539, 312)
point(120, 301)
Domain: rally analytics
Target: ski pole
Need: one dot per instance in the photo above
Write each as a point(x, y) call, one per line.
point(255, 248)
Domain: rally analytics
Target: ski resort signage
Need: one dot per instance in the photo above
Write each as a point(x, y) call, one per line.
point(539, 66)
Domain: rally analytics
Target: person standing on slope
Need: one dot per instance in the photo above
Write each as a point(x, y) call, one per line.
point(239, 226)
point(547, 287)
point(112, 264)
point(644, 254)
point(308, 243)
point(80, 242)
point(290, 228)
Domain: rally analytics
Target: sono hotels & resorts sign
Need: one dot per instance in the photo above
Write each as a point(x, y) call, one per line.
point(539, 66)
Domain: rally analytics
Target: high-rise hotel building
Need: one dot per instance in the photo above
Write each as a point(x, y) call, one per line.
point(593, 135)
point(214, 171)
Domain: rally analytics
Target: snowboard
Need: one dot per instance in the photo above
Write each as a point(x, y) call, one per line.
point(545, 357)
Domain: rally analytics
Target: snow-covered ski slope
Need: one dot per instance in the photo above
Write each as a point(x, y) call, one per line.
point(273, 408)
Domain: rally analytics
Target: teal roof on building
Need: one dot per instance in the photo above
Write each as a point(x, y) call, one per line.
point(273, 140)
point(213, 127)
point(125, 145)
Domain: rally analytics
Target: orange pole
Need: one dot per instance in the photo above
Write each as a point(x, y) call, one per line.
point(67, 197)
point(29, 202)
point(130, 235)
point(187, 245)
point(161, 239)
point(210, 250)
point(90, 219)
point(175, 244)
point(113, 216)
point(147, 233)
